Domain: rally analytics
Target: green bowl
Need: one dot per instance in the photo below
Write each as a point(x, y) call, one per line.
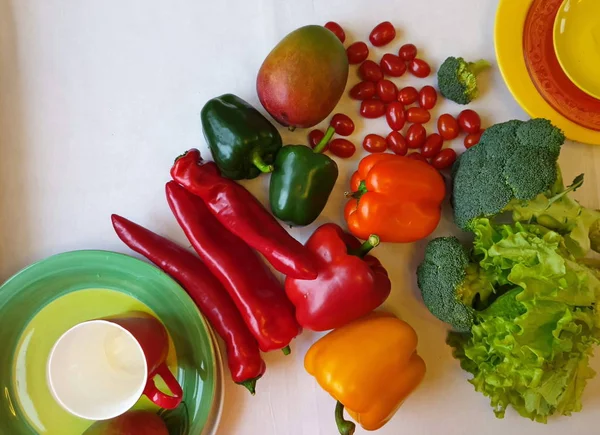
point(42, 301)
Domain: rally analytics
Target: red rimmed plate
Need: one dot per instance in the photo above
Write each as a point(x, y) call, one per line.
point(545, 70)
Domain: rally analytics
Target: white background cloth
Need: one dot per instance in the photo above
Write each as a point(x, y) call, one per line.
point(98, 97)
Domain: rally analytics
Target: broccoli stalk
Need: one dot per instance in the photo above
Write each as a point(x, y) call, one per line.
point(457, 79)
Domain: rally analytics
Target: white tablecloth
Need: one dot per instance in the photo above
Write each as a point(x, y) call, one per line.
point(98, 97)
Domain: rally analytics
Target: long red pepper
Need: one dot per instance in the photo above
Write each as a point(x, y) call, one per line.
point(243, 215)
point(256, 292)
point(245, 362)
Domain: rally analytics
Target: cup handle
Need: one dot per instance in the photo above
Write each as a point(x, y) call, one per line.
point(158, 397)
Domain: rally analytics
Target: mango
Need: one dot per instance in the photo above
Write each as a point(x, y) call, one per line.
point(303, 77)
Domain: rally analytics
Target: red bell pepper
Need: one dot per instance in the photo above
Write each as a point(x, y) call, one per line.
point(257, 293)
point(245, 363)
point(350, 284)
point(243, 215)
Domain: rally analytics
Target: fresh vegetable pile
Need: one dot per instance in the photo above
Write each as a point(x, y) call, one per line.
point(522, 299)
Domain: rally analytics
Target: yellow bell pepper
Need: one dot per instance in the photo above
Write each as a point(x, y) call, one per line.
point(369, 366)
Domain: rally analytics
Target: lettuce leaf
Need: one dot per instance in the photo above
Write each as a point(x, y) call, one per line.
point(530, 348)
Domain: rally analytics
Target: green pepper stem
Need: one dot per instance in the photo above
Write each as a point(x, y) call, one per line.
point(344, 426)
point(250, 384)
point(480, 65)
point(286, 350)
point(260, 163)
point(323, 143)
point(362, 189)
point(366, 247)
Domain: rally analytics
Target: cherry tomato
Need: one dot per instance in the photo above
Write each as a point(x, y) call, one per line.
point(444, 159)
point(342, 124)
point(448, 127)
point(416, 136)
point(395, 116)
point(408, 95)
point(419, 68)
point(407, 52)
point(314, 137)
point(397, 143)
point(427, 97)
point(469, 121)
point(386, 91)
point(417, 115)
point(357, 52)
point(370, 71)
point(372, 108)
point(417, 156)
point(337, 30)
point(382, 34)
point(433, 145)
point(473, 139)
point(374, 143)
point(392, 65)
point(363, 91)
point(342, 148)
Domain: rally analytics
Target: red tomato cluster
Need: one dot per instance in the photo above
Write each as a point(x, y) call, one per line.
point(407, 107)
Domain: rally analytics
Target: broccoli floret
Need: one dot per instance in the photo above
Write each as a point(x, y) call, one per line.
point(514, 168)
point(457, 79)
point(507, 164)
point(451, 285)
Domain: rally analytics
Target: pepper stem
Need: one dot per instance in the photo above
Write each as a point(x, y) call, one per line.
point(250, 384)
point(260, 163)
point(286, 350)
point(344, 426)
point(323, 143)
point(480, 65)
point(366, 247)
point(362, 189)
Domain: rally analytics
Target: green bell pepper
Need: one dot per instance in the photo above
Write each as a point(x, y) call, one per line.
point(242, 141)
point(302, 182)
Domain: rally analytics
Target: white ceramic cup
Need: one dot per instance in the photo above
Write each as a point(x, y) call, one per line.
point(97, 370)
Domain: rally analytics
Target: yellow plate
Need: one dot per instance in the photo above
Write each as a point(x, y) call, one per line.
point(577, 43)
point(510, 20)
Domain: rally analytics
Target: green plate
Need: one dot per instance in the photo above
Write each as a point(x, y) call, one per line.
point(44, 300)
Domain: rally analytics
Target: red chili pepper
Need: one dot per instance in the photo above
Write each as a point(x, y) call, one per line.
point(252, 286)
point(241, 213)
point(243, 356)
point(350, 283)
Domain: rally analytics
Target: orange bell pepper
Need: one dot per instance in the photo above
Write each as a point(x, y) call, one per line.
point(369, 366)
point(395, 197)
